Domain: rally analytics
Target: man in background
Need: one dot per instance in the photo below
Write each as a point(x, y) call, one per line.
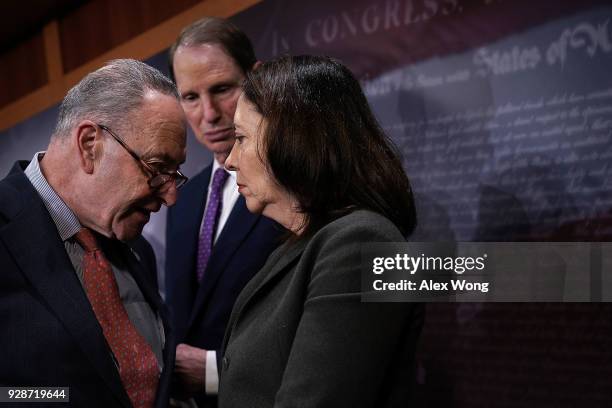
point(213, 244)
point(78, 307)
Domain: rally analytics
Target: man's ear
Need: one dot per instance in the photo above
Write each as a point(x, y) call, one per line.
point(256, 65)
point(87, 137)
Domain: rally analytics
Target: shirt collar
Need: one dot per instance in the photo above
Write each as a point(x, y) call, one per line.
point(66, 222)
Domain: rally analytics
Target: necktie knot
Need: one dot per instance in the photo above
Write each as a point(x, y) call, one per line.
point(87, 240)
point(219, 179)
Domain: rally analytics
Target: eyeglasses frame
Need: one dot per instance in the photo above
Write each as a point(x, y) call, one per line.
point(179, 178)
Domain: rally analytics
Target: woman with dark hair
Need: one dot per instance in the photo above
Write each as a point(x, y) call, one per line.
point(310, 155)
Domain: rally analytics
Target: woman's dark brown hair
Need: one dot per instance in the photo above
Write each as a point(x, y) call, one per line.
point(323, 145)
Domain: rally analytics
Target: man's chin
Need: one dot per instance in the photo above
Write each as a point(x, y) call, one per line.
point(221, 157)
point(222, 148)
point(130, 226)
point(128, 237)
point(129, 232)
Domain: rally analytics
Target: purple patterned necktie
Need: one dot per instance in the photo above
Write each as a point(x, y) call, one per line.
point(213, 210)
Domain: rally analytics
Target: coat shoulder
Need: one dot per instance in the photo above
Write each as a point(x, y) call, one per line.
point(11, 197)
point(364, 225)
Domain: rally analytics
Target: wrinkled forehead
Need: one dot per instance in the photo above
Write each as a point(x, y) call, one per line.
point(165, 145)
point(158, 129)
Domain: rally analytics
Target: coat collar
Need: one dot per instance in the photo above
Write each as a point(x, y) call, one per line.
point(280, 262)
point(182, 234)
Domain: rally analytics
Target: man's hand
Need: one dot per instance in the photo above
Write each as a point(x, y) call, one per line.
point(190, 370)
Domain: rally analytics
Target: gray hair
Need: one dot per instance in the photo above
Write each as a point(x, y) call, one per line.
point(111, 93)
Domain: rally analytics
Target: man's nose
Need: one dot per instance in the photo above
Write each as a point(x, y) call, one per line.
point(210, 110)
point(169, 193)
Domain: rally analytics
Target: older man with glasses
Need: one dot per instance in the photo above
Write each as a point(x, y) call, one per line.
point(79, 307)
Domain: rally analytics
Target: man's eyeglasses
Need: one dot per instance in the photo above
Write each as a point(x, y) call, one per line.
point(157, 178)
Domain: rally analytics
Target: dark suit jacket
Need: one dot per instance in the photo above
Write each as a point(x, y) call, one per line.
point(50, 334)
point(200, 311)
point(299, 336)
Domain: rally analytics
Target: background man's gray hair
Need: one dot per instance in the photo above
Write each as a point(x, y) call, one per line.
point(218, 31)
point(111, 93)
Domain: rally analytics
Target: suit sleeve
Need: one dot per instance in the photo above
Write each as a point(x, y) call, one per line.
point(343, 348)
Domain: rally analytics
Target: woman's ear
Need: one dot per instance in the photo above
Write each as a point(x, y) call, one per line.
point(87, 137)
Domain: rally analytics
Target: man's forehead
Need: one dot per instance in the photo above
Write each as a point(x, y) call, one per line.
point(156, 101)
point(164, 151)
point(159, 128)
point(205, 54)
point(202, 62)
point(159, 111)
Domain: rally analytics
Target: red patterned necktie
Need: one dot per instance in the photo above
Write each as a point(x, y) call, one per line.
point(138, 366)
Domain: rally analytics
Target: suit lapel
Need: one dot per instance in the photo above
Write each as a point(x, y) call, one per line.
point(189, 221)
point(141, 278)
point(183, 250)
point(280, 262)
point(153, 299)
point(41, 256)
point(235, 231)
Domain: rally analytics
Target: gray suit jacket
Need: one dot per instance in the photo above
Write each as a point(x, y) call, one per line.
point(299, 335)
